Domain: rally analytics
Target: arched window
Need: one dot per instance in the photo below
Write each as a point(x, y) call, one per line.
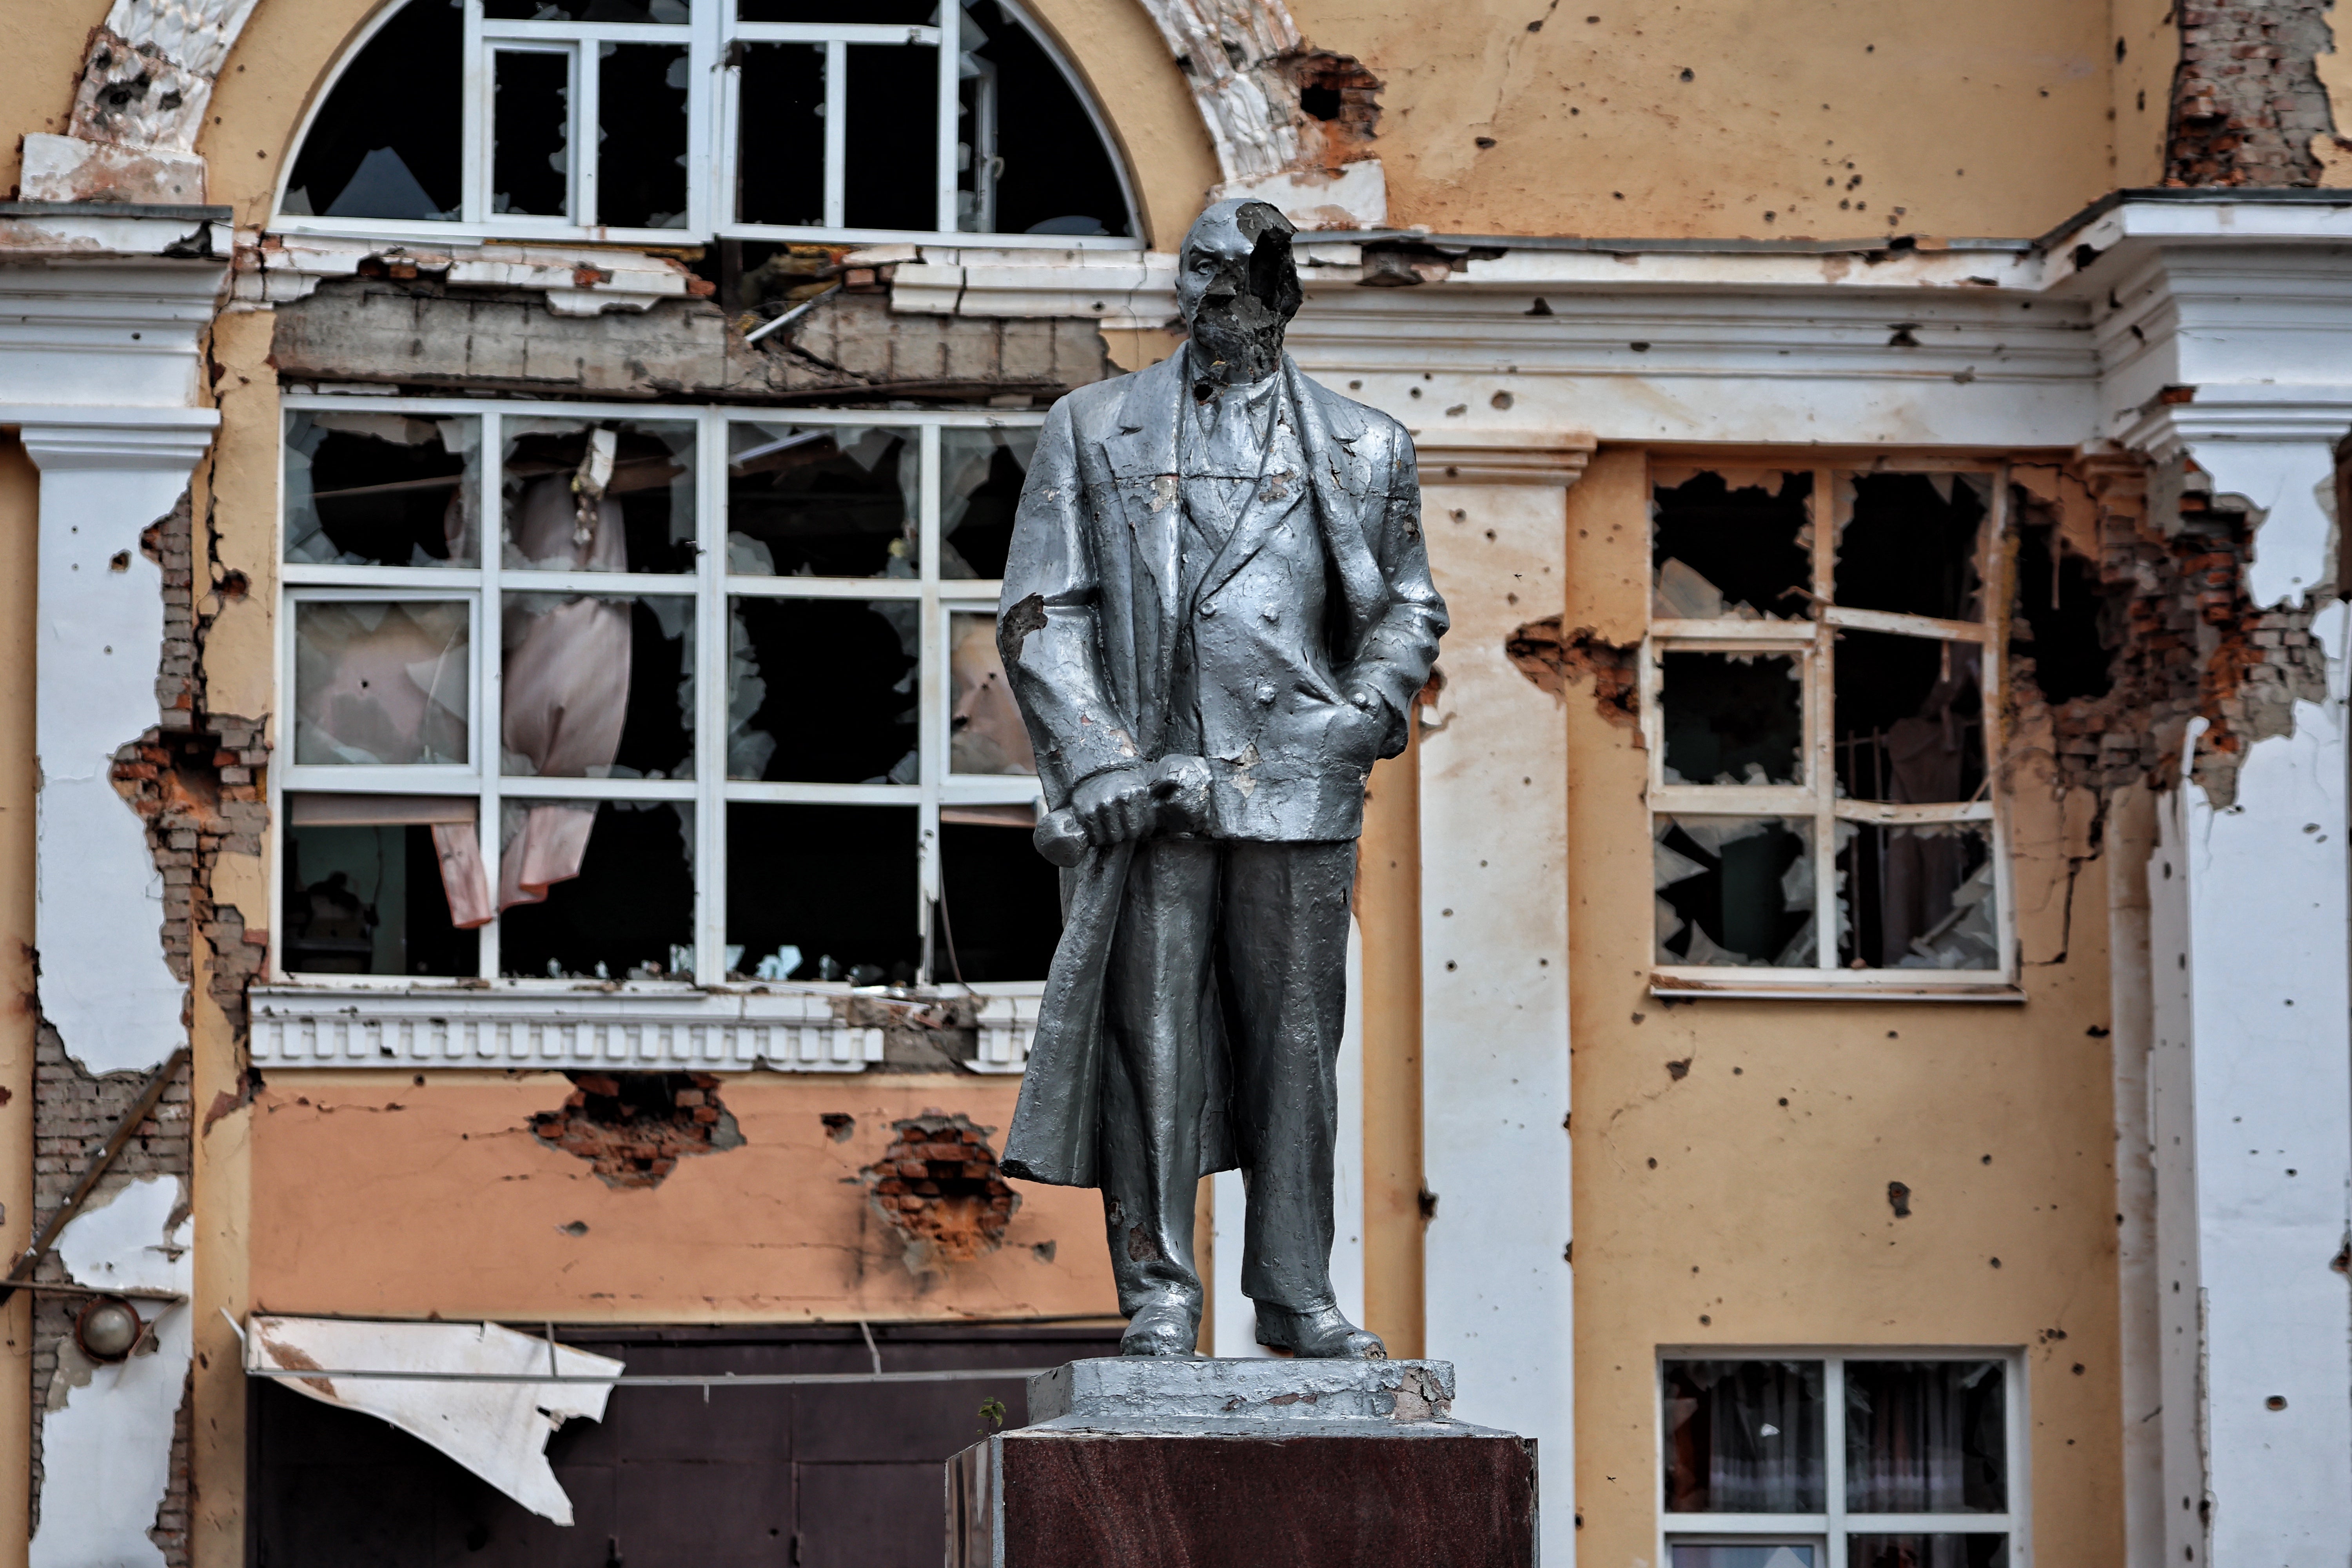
point(845, 120)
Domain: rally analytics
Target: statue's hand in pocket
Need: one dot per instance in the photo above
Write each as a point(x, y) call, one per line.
point(1356, 730)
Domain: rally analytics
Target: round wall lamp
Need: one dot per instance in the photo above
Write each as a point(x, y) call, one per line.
point(109, 1329)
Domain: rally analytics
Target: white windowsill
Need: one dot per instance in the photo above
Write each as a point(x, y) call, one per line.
point(629, 1027)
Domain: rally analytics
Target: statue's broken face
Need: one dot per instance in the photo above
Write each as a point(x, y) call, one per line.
point(1238, 288)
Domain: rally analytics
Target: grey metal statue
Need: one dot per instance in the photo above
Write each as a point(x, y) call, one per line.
point(1217, 613)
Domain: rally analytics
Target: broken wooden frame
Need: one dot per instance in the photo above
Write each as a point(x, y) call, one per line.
point(1843, 1531)
point(921, 603)
point(1809, 803)
point(704, 62)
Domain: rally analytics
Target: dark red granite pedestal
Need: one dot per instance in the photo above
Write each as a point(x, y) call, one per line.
point(1237, 1470)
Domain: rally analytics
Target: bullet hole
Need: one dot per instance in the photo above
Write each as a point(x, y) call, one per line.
point(1618, 194)
point(1043, 1252)
point(1536, 26)
point(2095, 1032)
point(419, 1080)
point(1687, 75)
point(1736, 1071)
point(1639, 1017)
point(1500, 400)
point(1769, 217)
point(938, 1185)
point(121, 562)
point(1457, 409)
point(1678, 1070)
point(1996, 1263)
point(1450, 964)
point(1539, 308)
point(1985, 1160)
point(1905, 333)
point(2275, 1402)
point(838, 1125)
point(1355, 386)
point(1654, 1164)
point(1483, 141)
point(1639, 348)
point(1428, 1205)
point(1704, 1321)
point(632, 1128)
point(1568, 1254)
point(2078, 1369)
point(577, 1227)
point(1412, 392)
point(1784, 1100)
point(1898, 1198)
point(2119, 51)
point(1893, 1036)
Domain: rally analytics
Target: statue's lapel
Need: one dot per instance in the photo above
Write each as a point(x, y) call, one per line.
point(1140, 452)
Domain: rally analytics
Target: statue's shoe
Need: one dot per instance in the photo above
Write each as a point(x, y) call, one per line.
point(1165, 1325)
point(1323, 1332)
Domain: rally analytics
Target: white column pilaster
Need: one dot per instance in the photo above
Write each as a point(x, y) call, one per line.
point(1494, 859)
point(107, 475)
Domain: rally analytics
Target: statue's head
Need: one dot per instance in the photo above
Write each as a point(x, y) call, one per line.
point(1238, 288)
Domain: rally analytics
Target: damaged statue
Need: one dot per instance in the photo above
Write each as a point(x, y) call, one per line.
point(1217, 613)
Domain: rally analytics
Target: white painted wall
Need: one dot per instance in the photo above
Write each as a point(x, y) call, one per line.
point(1494, 836)
point(106, 1439)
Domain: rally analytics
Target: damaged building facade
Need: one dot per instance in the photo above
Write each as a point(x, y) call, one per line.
point(515, 836)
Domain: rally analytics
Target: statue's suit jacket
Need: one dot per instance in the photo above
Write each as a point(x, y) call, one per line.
point(1322, 590)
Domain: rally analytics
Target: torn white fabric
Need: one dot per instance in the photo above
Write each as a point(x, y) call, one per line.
point(497, 1430)
point(106, 1432)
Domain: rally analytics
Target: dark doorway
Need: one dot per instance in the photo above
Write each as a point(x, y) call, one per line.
point(811, 1475)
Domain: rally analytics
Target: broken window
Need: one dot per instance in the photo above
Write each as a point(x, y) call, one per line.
point(1816, 675)
point(1840, 1459)
point(769, 119)
point(853, 798)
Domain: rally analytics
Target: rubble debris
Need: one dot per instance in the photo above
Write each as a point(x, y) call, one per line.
point(1550, 659)
point(938, 1186)
point(632, 1128)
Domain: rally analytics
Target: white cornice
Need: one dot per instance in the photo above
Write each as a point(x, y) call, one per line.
point(60, 437)
point(1502, 457)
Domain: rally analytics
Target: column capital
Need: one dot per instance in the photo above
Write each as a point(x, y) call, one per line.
point(1502, 457)
point(60, 438)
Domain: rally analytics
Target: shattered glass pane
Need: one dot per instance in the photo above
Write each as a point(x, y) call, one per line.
point(1909, 719)
point(367, 899)
point(1744, 1437)
point(641, 159)
point(1927, 1552)
point(622, 11)
point(598, 688)
point(1926, 1436)
point(379, 681)
point(985, 734)
point(611, 495)
point(1908, 543)
point(824, 893)
point(780, 138)
point(893, 144)
point(1743, 1554)
point(1734, 717)
point(981, 475)
point(1737, 544)
point(359, 161)
point(1003, 904)
point(827, 500)
point(1054, 173)
point(824, 691)
point(381, 489)
point(602, 891)
point(1916, 897)
point(1734, 890)
point(530, 155)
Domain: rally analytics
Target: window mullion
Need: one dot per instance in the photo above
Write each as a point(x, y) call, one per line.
point(836, 134)
point(1820, 718)
point(710, 703)
point(931, 711)
point(489, 748)
point(475, 121)
point(587, 79)
point(1833, 1461)
point(950, 101)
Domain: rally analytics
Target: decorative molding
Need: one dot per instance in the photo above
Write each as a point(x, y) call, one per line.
point(61, 439)
point(701, 1031)
point(274, 269)
point(1502, 457)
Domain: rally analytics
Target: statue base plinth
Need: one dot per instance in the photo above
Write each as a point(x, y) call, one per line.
point(1140, 1461)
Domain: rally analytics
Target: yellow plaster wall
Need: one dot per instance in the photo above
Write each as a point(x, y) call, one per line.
point(1745, 1203)
point(40, 62)
point(20, 495)
point(375, 1195)
point(2147, 45)
point(1698, 120)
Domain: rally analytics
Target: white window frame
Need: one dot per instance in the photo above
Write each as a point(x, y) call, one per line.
point(1811, 643)
point(715, 80)
point(1827, 1530)
point(712, 587)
